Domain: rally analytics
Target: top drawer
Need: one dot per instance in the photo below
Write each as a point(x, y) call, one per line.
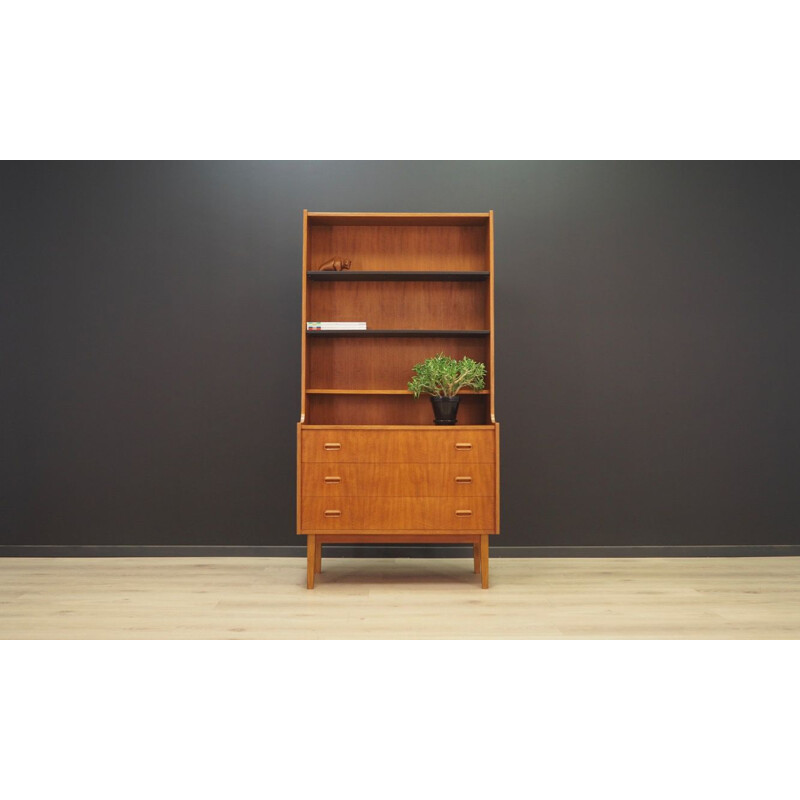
point(398, 447)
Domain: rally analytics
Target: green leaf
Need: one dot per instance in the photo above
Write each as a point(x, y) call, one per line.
point(443, 376)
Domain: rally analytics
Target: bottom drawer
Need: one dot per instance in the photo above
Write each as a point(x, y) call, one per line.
point(398, 513)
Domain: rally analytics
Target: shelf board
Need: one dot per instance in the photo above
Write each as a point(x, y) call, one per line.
point(402, 218)
point(395, 427)
point(397, 275)
point(381, 391)
point(395, 333)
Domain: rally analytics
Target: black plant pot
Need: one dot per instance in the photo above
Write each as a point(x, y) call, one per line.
point(445, 410)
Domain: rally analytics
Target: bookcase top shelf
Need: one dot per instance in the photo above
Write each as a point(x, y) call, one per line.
point(396, 333)
point(421, 219)
point(398, 275)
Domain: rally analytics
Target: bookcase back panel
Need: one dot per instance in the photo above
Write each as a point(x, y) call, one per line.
point(425, 305)
point(399, 247)
point(388, 410)
point(350, 363)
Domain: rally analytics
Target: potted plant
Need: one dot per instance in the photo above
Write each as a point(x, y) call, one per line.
point(443, 378)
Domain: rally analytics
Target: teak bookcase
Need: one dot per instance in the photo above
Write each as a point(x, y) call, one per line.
point(371, 465)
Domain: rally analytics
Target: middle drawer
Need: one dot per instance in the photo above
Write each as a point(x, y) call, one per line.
point(397, 480)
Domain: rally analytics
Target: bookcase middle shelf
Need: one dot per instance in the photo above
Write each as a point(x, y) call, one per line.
point(407, 332)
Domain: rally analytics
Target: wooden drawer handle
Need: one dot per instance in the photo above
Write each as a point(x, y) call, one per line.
point(332, 479)
point(463, 446)
point(333, 512)
point(332, 446)
point(463, 512)
point(463, 479)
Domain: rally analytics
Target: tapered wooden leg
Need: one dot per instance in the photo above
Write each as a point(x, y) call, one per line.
point(311, 558)
point(318, 558)
point(476, 556)
point(484, 561)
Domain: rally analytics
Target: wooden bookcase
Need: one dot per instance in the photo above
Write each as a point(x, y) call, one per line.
point(371, 465)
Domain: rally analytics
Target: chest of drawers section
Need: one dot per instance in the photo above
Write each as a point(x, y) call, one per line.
point(393, 481)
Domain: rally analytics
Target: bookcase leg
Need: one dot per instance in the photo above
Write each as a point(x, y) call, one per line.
point(484, 561)
point(318, 558)
point(311, 558)
point(476, 556)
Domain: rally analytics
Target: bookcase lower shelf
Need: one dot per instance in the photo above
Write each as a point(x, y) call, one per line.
point(479, 542)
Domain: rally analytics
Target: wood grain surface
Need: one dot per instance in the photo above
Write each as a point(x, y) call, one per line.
point(437, 445)
point(266, 598)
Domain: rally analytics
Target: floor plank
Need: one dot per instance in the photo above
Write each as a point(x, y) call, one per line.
point(266, 598)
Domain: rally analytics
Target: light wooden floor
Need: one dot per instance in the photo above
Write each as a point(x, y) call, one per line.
point(266, 598)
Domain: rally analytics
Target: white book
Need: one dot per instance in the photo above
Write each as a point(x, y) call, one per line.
point(336, 326)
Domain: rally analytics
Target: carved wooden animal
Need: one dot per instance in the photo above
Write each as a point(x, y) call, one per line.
point(336, 265)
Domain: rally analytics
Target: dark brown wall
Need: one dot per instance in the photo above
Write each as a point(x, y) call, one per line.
point(647, 339)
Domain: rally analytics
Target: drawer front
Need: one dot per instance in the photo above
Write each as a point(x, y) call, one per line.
point(398, 514)
point(435, 446)
point(397, 480)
